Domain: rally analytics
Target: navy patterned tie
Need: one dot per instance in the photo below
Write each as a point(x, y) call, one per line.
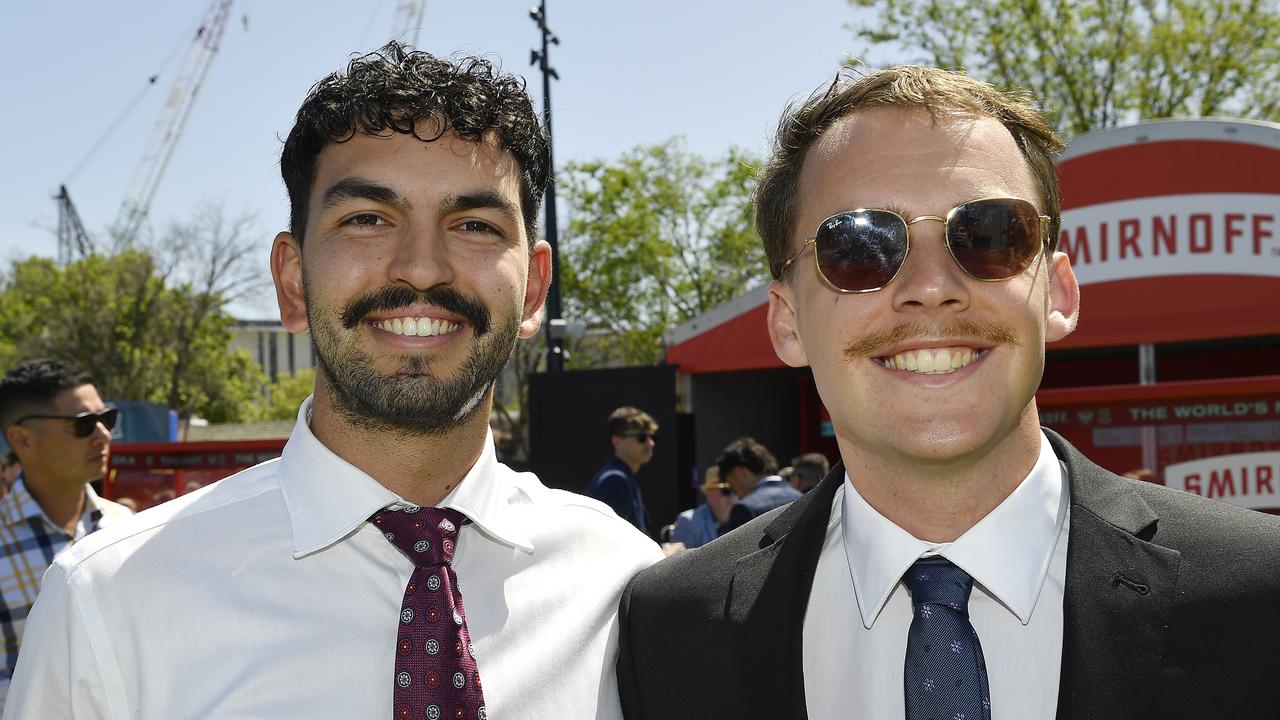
point(945, 676)
point(436, 674)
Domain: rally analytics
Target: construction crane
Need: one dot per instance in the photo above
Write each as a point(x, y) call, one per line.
point(73, 241)
point(168, 128)
point(408, 21)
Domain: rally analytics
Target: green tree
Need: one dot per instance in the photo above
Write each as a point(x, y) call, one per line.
point(286, 394)
point(654, 238)
point(146, 328)
point(1099, 63)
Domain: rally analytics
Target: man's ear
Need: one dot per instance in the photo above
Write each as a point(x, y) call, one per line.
point(535, 289)
point(286, 272)
point(782, 325)
point(616, 442)
point(19, 438)
point(1064, 299)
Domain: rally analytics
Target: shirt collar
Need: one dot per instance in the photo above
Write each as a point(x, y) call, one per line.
point(23, 506)
point(768, 479)
point(328, 498)
point(20, 499)
point(1007, 552)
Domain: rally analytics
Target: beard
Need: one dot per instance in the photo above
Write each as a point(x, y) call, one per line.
point(413, 400)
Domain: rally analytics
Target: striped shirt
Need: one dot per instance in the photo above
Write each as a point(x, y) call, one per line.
point(28, 543)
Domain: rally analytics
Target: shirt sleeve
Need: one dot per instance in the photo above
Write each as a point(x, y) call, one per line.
point(57, 675)
point(612, 490)
point(684, 531)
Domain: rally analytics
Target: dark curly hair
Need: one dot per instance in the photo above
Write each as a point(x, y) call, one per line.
point(32, 386)
point(748, 453)
point(396, 87)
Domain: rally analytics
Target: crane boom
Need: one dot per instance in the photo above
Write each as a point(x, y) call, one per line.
point(74, 242)
point(408, 21)
point(168, 128)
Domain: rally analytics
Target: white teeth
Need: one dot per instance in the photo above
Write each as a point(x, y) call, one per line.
point(932, 361)
point(420, 327)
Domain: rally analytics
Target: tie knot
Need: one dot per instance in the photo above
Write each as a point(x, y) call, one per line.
point(425, 534)
point(937, 581)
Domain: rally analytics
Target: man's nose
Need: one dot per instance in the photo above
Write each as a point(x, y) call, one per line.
point(421, 258)
point(930, 278)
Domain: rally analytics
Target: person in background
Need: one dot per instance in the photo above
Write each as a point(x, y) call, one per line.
point(330, 583)
point(1143, 474)
point(59, 430)
point(632, 435)
point(10, 467)
point(787, 474)
point(807, 470)
point(700, 525)
point(751, 470)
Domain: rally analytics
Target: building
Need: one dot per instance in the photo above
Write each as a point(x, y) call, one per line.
point(273, 347)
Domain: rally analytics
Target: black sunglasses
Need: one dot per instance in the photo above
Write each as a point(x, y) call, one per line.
point(85, 422)
point(642, 436)
point(862, 250)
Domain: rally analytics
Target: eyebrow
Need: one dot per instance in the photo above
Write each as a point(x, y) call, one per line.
point(361, 189)
point(481, 200)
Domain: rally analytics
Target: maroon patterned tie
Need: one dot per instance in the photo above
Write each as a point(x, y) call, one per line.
point(436, 676)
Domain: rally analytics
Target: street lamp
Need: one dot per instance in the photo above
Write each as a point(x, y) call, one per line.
point(555, 323)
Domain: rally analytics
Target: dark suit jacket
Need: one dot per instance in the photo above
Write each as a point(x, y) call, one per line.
point(616, 486)
point(1172, 610)
point(770, 492)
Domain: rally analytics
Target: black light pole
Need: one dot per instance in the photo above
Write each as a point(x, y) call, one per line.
point(555, 324)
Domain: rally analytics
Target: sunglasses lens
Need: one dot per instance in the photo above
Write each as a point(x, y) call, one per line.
point(861, 250)
point(86, 424)
point(994, 239)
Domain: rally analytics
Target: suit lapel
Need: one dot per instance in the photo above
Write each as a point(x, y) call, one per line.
point(767, 601)
point(1119, 594)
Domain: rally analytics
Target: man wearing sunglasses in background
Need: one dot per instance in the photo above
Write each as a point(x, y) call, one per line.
point(961, 561)
point(60, 430)
point(632, 434)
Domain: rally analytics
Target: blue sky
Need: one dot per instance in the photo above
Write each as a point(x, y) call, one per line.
point(717, 73)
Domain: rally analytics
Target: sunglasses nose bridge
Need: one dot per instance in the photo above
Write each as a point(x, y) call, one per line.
point(930, 275)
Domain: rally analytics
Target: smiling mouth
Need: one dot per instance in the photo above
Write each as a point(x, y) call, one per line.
point(417, 326)
point(932, 361)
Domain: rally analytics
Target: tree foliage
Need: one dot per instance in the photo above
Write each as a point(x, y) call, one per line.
point(285, 395)
point(654, 238)
point(1099, 63)
point(148, 324)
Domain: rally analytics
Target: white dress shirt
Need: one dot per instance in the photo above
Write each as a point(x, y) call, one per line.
point(268, 595)
point(855, 627)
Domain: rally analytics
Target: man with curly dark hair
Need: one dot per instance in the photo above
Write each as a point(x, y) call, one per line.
point(331, 583)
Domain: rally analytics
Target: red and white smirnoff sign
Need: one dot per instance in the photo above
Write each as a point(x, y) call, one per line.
point(1250, 480)
point(1173, 229)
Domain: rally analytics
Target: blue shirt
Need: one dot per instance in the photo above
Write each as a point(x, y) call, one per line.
point(770, 492)
point(616, 486)
point(695, 527)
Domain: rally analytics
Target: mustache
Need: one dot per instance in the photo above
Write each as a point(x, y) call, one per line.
point(868, 345)
point(398, 296)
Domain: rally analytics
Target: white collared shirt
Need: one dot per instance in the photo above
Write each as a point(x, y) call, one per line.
point(855, 627)
point(268, 595)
